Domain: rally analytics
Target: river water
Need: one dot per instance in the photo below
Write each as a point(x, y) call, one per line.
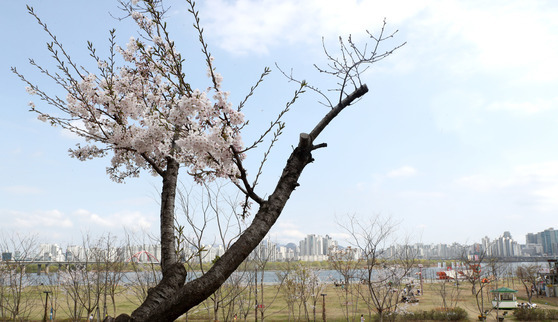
point(325, 276)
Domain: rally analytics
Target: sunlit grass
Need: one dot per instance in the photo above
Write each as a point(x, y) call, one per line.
point(276, 305)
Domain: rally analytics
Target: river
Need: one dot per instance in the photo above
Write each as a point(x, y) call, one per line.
point(325, 276)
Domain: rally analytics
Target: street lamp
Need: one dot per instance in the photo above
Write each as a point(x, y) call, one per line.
point(421, 288)
point(46, 305)
point(323, 306)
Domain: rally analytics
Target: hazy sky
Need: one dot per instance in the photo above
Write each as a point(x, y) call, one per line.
point(456, 140)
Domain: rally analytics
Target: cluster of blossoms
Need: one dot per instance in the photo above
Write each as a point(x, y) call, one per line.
point(145, 112)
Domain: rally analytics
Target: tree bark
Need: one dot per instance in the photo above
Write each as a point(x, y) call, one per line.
point(168, 196)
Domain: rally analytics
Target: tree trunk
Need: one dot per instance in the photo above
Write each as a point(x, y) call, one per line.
point(168, 196)
point(174, 273)
point(168, 301)
point(199, 289)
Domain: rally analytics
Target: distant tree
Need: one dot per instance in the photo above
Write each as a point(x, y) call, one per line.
point(261, 257)
point(15, 302)
point(449, 292)
point(112, 266)
point(70, 281)
point(301, 287)
point(495, 269)
point(528, 275)
point(55, 290)
point(144, 275)
point(478, 278)
point(346, 262)
point(384, 263)
point(141, 107)
point(315, 287)
point(93, 281)
point(246, 299)
point(289, 288)
point(85, 283)
point(203, 209)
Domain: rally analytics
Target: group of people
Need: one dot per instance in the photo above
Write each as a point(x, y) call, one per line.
point(527, 305)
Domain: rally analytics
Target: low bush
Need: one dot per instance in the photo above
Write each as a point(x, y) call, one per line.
point(455, 314)
point(525, 314)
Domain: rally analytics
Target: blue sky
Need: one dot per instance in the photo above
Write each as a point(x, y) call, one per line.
point(456, 139)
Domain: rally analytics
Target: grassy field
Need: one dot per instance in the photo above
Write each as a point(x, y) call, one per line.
point(276, 304)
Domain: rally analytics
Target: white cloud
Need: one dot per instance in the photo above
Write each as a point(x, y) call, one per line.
point(71, 135)
point(38, 219)
point(292, 234)
point(287, 232)
point(341, 237)
point(251, 26)
point(423, 195)
point(483, 183)
point(543, 171)
point(55, 225)
point(496, 36)
point(535, 106)
point(536, 173)
point(405, 171)
point(21, 190)
point(133, 220)
point(463, 36)
point(536, 183)
point(480, 118)
point(543, 177)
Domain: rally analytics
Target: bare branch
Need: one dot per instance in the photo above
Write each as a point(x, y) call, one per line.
point(359, 92)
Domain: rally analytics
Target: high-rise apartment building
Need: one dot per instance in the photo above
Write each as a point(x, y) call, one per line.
point(316, 248)
point(503, 246)
point(548, 239)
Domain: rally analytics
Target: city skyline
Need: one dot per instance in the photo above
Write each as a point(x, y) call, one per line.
point(455, 139)
point(311, 248)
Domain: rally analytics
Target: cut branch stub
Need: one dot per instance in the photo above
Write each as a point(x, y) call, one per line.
point(305, 142)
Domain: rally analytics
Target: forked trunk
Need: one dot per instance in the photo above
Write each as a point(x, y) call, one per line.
point(171, 298)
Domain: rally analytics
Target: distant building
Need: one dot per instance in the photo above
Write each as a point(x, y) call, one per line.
point(548, 239)
point(75, 253)
point(50, 252)
point(312, 248)
point(531, 249)
point(487, 245)
point(316, 248)
point(211, 252)
point(503, 246)
point(6, 256)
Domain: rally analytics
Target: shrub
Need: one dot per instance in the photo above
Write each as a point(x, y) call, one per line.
point(455, 314)
point(525, 314)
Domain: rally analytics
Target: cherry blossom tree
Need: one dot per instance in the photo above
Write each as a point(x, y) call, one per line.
point(140, 109)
